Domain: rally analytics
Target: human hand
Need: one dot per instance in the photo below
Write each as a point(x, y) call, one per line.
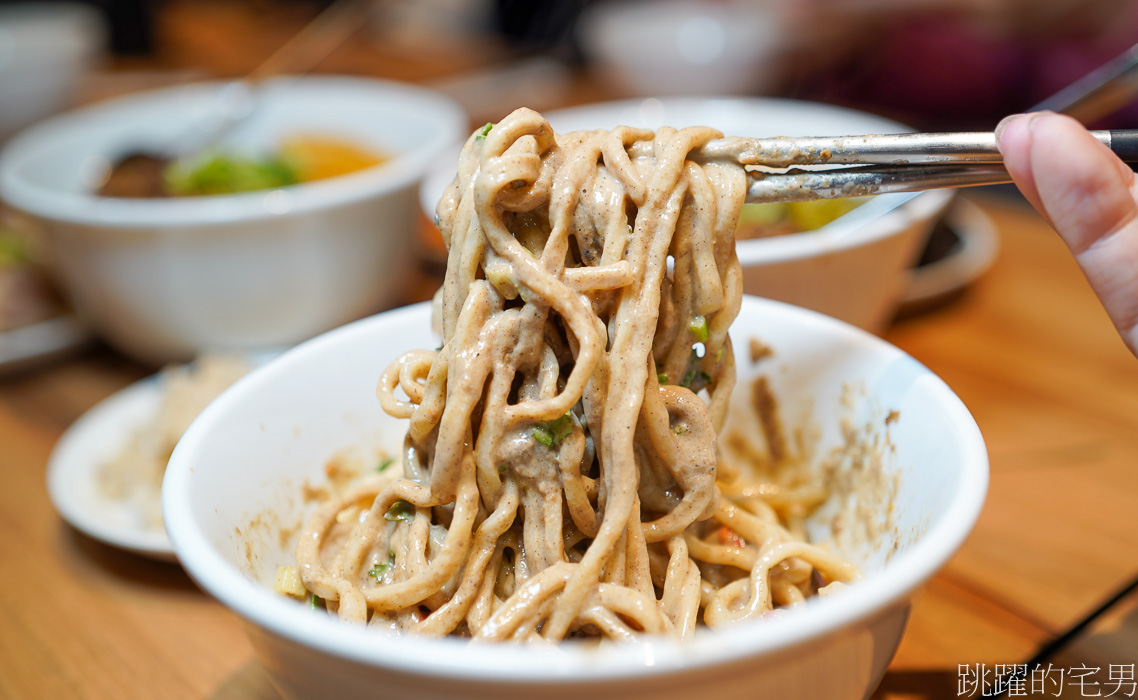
point(1089, 196)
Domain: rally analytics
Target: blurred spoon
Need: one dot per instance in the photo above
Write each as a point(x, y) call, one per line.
point(139, 171)
point(1099, 93)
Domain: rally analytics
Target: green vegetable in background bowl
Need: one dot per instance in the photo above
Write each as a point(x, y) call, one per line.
point(298, 158)
point(218, 173)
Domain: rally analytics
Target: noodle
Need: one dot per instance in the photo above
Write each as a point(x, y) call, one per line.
point(560, 470)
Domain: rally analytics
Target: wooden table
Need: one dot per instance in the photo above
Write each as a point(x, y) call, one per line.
point(1027, 348)
point(1055, 392)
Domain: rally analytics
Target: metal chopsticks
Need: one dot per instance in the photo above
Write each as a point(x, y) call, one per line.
point(806, 185)
point(885, 163)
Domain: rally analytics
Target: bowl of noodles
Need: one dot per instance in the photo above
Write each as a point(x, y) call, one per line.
point(592, 467)
point(301, 218)
point(850, 259)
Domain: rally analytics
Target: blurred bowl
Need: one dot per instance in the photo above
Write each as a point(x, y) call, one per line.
point(45, 47)
point(856, 268)
point(234, 484)
point(166, 279)
point(682, 47)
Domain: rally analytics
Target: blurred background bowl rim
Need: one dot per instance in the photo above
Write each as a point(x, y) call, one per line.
point(679, 46)
point(604, 29)
point(755, 251)
point(403, 169)
point(61, 25)
point(457, 659)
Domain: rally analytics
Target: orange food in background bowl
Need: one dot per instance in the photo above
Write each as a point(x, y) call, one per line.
point(317, 157)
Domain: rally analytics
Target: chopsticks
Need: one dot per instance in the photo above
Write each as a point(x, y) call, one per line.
point(891, 149)
point(883, 164)
point(864, 181)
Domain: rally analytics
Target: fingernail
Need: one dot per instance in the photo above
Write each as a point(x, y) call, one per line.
point(1005, 123)
point(1016, 126)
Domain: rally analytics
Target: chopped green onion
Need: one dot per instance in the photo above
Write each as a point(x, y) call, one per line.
point(485, 130)
point(561, 427)
point(662, 378)
point(698, 328)
point(385, 463)
point(551, 433)
point(542, 435)
point(400, 510)
point(695, 379)
point(501, 468)
point(315, 601)
point(379, 570)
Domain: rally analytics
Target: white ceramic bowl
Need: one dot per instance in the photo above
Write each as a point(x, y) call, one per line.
point(856, 268)
point(45, 48)
point(165, 279)
point(235, 482)
point(683, 47)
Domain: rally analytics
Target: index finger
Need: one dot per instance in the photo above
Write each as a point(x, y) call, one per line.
point(1091, 199)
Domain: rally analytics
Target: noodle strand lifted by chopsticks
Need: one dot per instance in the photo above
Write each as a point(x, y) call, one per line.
point(560, 464)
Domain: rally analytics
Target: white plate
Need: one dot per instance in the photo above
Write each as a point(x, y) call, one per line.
point(26, 345)
point(99, 435)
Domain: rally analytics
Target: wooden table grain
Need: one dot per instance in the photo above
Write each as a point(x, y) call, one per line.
point(1026, 347)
